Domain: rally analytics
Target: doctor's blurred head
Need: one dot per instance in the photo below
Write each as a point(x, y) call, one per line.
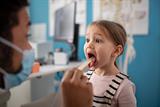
point(14, 27)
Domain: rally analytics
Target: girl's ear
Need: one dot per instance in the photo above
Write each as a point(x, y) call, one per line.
point(117, 51)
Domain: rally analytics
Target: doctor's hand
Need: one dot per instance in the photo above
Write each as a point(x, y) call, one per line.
point(76, 90)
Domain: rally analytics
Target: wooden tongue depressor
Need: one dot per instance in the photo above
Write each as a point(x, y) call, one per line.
point(84, 65)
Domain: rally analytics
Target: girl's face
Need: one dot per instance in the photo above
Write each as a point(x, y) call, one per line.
point(99, 46)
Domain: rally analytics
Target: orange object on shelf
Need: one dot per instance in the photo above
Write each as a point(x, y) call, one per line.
point(36, 67)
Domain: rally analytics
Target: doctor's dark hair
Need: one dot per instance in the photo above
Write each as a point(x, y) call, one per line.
point(9, 14)
point(8, 19)
point(116, 32)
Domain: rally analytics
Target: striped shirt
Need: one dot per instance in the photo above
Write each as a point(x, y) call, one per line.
point(104, 96)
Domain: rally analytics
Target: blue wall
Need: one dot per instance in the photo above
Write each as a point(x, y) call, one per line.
point(145, 69)
point(39, 12)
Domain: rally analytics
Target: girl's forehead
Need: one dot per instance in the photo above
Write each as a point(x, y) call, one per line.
point(93, 29)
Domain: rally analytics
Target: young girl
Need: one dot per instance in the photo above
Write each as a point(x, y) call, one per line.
point(105, 41)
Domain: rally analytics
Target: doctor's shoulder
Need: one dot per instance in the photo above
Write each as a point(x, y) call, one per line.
point(4, 97)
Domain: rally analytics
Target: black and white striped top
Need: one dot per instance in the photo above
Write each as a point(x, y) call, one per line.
point(106, 99)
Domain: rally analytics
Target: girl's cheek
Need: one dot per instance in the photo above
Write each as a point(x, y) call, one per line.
point(84, 48)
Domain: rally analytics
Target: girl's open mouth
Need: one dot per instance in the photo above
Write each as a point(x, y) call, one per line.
point(91, 55)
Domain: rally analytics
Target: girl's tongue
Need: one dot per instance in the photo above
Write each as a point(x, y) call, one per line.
point(90, 65)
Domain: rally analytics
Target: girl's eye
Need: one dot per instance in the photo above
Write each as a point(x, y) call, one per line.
point(87, 40)
point(98, 40)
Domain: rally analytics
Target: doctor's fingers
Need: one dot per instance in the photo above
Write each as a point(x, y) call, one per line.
point(89, 86)
point(68, 75)
point(85, 82)
point(84, 79)
point(77, 76)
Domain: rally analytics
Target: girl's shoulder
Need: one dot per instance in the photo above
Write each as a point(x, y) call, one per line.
point(126, 87)
point(126, 81)
point(126, 93)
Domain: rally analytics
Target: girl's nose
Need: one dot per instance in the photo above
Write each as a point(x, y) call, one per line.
point(91, 45)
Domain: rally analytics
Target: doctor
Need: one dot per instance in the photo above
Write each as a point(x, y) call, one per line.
point(17, 58)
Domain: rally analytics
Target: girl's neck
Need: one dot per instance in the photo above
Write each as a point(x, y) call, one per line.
point(107, 70)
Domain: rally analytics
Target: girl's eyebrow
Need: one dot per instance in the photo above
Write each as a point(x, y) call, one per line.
point(98, 34)
point(95, 34)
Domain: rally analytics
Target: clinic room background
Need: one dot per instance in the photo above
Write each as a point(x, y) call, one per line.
point(144, 70)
